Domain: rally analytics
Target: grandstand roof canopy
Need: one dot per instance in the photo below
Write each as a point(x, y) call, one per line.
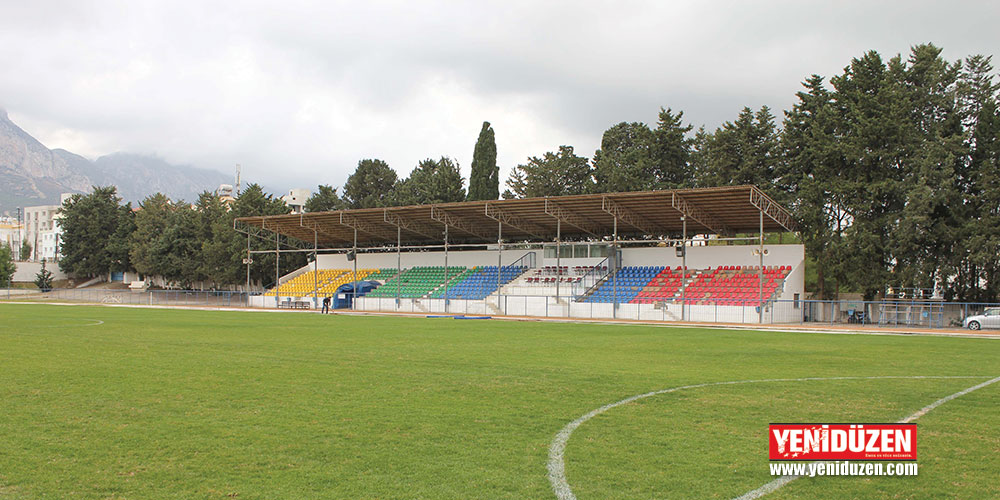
point(722, 210)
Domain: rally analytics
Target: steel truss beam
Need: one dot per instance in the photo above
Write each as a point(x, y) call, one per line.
point(462, 225)
point(514, 221)
point(771, 209)
point(698, 215)
point(625, 215)
point(412, 226)
point(313, 226)
point(268, 235)
point(551, 208)
point(360, 225)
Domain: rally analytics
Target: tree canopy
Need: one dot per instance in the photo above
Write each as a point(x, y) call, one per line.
point(325, 199)
point(88, 223)
point(484, 180)
point(432, 181)
point(370, 185)
point(891, 169)
point(7, 266)
point(554, 174)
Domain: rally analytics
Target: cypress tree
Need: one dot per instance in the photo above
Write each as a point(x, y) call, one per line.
point(484, 180)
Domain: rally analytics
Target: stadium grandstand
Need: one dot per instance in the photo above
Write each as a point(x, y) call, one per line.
point(670, 254)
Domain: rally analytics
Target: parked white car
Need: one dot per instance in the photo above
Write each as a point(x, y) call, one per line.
point(990, 318)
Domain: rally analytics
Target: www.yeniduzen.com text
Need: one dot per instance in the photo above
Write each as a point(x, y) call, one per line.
point(844, 468)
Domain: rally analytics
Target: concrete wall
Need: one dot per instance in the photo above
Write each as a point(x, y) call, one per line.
point(26, 271)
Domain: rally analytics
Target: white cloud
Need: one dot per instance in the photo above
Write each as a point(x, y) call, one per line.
point(298, 92)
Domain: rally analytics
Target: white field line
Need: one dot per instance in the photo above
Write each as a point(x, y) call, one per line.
point(557, 463)
point(96, 322)
point(749, 327)
point(783, 480)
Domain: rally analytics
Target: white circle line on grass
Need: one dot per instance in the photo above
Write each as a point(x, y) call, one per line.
point(557, 462)
point(783, 480)
point(96, 322)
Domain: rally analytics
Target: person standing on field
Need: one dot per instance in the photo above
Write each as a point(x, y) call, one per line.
point(326, 305)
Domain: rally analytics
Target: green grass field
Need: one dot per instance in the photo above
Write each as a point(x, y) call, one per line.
point(199, 404)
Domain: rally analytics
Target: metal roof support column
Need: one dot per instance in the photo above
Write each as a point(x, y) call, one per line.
point(277, 258)
point(614, 277)
point(684, 264)
point(249, 260)
point(315, 269)
point(399, 262)
point(558, 256)
point(354, 251)
point(760, 273)
point(446, 269)
point(499, 256)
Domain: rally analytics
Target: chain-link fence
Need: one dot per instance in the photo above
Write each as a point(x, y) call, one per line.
point(204, 298)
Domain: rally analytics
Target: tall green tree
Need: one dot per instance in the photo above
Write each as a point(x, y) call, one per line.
point(325, 199)
point(924, 230)
point(672, 148)
point(625, 161)
point(746, 151)
point(974, 273)
point(432, 181)
point(370, 185)
point(872, 120)
point(120, 242)
point(819, 197)
point(151, 223)
point(554, 174)
point(88, 223)
point(25, 250)
point(484, 179)
point(176, 252)
point(224, 253)
point(7, 266)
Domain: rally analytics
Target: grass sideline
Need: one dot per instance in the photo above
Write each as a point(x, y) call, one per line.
point(158, 403)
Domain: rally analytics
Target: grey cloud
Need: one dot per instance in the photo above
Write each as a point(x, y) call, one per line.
point(299, 91)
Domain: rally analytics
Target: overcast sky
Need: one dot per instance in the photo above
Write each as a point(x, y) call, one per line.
point(298, 92)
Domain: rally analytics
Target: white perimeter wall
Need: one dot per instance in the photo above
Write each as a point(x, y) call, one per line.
point(698, 257)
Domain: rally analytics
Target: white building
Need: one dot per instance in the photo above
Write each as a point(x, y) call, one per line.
point(226, 194)
point(42, 231)
point(296, 199)
point(11, 233)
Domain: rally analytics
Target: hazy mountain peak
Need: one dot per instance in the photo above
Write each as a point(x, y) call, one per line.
point(31, 174)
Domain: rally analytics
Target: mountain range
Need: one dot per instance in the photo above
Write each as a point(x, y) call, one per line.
point(32, 174)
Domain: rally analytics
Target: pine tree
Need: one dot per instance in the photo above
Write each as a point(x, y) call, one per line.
point(7, 266)
point(88, 223)
point(554, 174)
point(43, 280)
point(672, 151)
point(370, 185)
point(324, 200)
point(484, 179)
point(625, 161)
point(432, 181)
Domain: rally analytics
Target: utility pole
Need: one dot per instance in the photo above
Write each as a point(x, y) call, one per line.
point(19, 242)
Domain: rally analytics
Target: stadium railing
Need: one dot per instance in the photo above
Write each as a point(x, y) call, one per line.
point(887, 313)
